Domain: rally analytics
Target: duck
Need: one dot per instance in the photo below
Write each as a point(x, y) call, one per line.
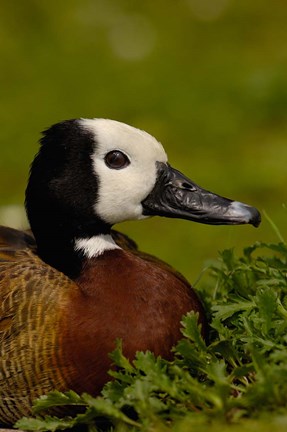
point(71, 284)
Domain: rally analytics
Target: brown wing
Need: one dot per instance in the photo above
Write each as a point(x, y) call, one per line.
point(124, 241)
point(32, 298)
point(15, 239)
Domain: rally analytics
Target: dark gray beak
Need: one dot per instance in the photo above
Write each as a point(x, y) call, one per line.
point(175, 196)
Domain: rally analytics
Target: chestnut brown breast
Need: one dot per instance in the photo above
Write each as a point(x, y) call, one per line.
point(122, 296)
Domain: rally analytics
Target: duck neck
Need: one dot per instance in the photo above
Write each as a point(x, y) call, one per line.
point(67, 246)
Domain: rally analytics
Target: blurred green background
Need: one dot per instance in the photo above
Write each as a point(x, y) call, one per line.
point(208, 78)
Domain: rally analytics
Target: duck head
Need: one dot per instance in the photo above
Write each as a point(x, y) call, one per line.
point(136, 181)
point(90, 174)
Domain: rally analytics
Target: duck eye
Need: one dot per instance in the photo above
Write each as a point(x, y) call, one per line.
point(116, 160)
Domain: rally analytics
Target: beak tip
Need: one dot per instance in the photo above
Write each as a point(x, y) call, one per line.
point(256, 220)
point(249, 215)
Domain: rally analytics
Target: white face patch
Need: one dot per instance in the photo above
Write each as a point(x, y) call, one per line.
point(121, 191)
point(95, 246)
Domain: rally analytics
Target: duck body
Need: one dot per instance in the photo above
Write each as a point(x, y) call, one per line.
point(74, 286)
point(57, 333)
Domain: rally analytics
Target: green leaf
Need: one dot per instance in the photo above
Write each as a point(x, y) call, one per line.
point(228, 258)
point(56, 398)
point(119, 359)
point(224, 311)
point(106, 408)
point(45, 424)
point(266, 300)
point(192, 330)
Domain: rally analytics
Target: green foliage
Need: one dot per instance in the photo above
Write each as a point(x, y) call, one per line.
point(238, 377)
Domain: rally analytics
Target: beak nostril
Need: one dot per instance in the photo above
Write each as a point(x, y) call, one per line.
point(188, 186)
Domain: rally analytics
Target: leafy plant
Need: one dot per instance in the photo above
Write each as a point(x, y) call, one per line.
point(239, 374)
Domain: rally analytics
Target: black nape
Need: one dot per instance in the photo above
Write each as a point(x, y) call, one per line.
point(61, 195)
